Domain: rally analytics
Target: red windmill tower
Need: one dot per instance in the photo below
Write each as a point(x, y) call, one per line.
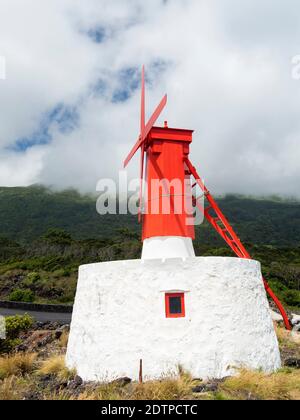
point(167, 230)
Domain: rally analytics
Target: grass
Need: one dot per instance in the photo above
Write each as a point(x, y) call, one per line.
point(58, 396)
point(10, 389)
point(165, 389)
point(282, 385)
point(63, 341)
point(56, 366)
point(103, 392)
point(16, 364)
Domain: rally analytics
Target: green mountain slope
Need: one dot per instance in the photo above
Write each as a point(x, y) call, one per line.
point(28, 213)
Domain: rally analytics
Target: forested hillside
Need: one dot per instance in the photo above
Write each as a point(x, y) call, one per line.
point(28, 213)
point(45, 236)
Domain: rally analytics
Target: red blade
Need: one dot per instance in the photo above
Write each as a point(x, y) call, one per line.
point(143, 101)
point(147, 130)
point(133, 151)
point(154, 117)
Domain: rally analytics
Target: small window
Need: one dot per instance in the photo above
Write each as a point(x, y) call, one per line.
point(175, 305)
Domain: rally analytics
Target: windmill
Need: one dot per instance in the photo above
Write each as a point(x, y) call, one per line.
point(170, 308)
point(167, 158)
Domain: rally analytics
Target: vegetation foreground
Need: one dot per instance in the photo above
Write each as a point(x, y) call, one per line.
point(32, 367)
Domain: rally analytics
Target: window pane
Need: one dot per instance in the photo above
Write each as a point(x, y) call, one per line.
point(175, 305)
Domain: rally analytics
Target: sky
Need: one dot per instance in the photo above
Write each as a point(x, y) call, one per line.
point(70, 96)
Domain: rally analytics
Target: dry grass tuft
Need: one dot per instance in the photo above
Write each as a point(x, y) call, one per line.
point(9, 389)
point(283, 385)
point(55, 365)
point(168, 389)
point(17, 364)
point(63, 341)
point(175, 388)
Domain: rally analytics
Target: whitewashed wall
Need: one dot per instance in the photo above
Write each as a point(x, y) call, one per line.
point(119, 318)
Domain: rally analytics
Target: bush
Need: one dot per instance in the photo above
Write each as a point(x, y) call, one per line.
point(54, 263)
point(292, 297)
point(14, 325)
point(62, 272)
point(31, 279)
point(58, 237)
point(21, 295)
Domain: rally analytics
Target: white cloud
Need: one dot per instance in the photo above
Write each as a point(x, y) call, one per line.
point(227, 73)
point(21, 169)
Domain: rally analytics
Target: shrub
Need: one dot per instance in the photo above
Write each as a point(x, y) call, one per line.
point(21, 295)
point(292, 297)
point(14, 325)
point(58, 237)
point(53, 264)
point(62, 272)
point(31, 279)
point(66, 299)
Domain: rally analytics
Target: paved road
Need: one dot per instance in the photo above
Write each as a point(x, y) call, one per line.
point(39, 316)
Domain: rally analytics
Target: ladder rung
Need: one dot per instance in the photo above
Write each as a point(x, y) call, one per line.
point(217, 220)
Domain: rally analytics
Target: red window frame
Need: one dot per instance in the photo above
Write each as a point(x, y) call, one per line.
point(167, 304)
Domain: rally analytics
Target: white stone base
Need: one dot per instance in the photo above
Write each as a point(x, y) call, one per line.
point(119, 318)
point(164, 247)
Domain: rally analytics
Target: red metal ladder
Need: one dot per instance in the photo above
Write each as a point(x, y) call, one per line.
point(225, 230)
